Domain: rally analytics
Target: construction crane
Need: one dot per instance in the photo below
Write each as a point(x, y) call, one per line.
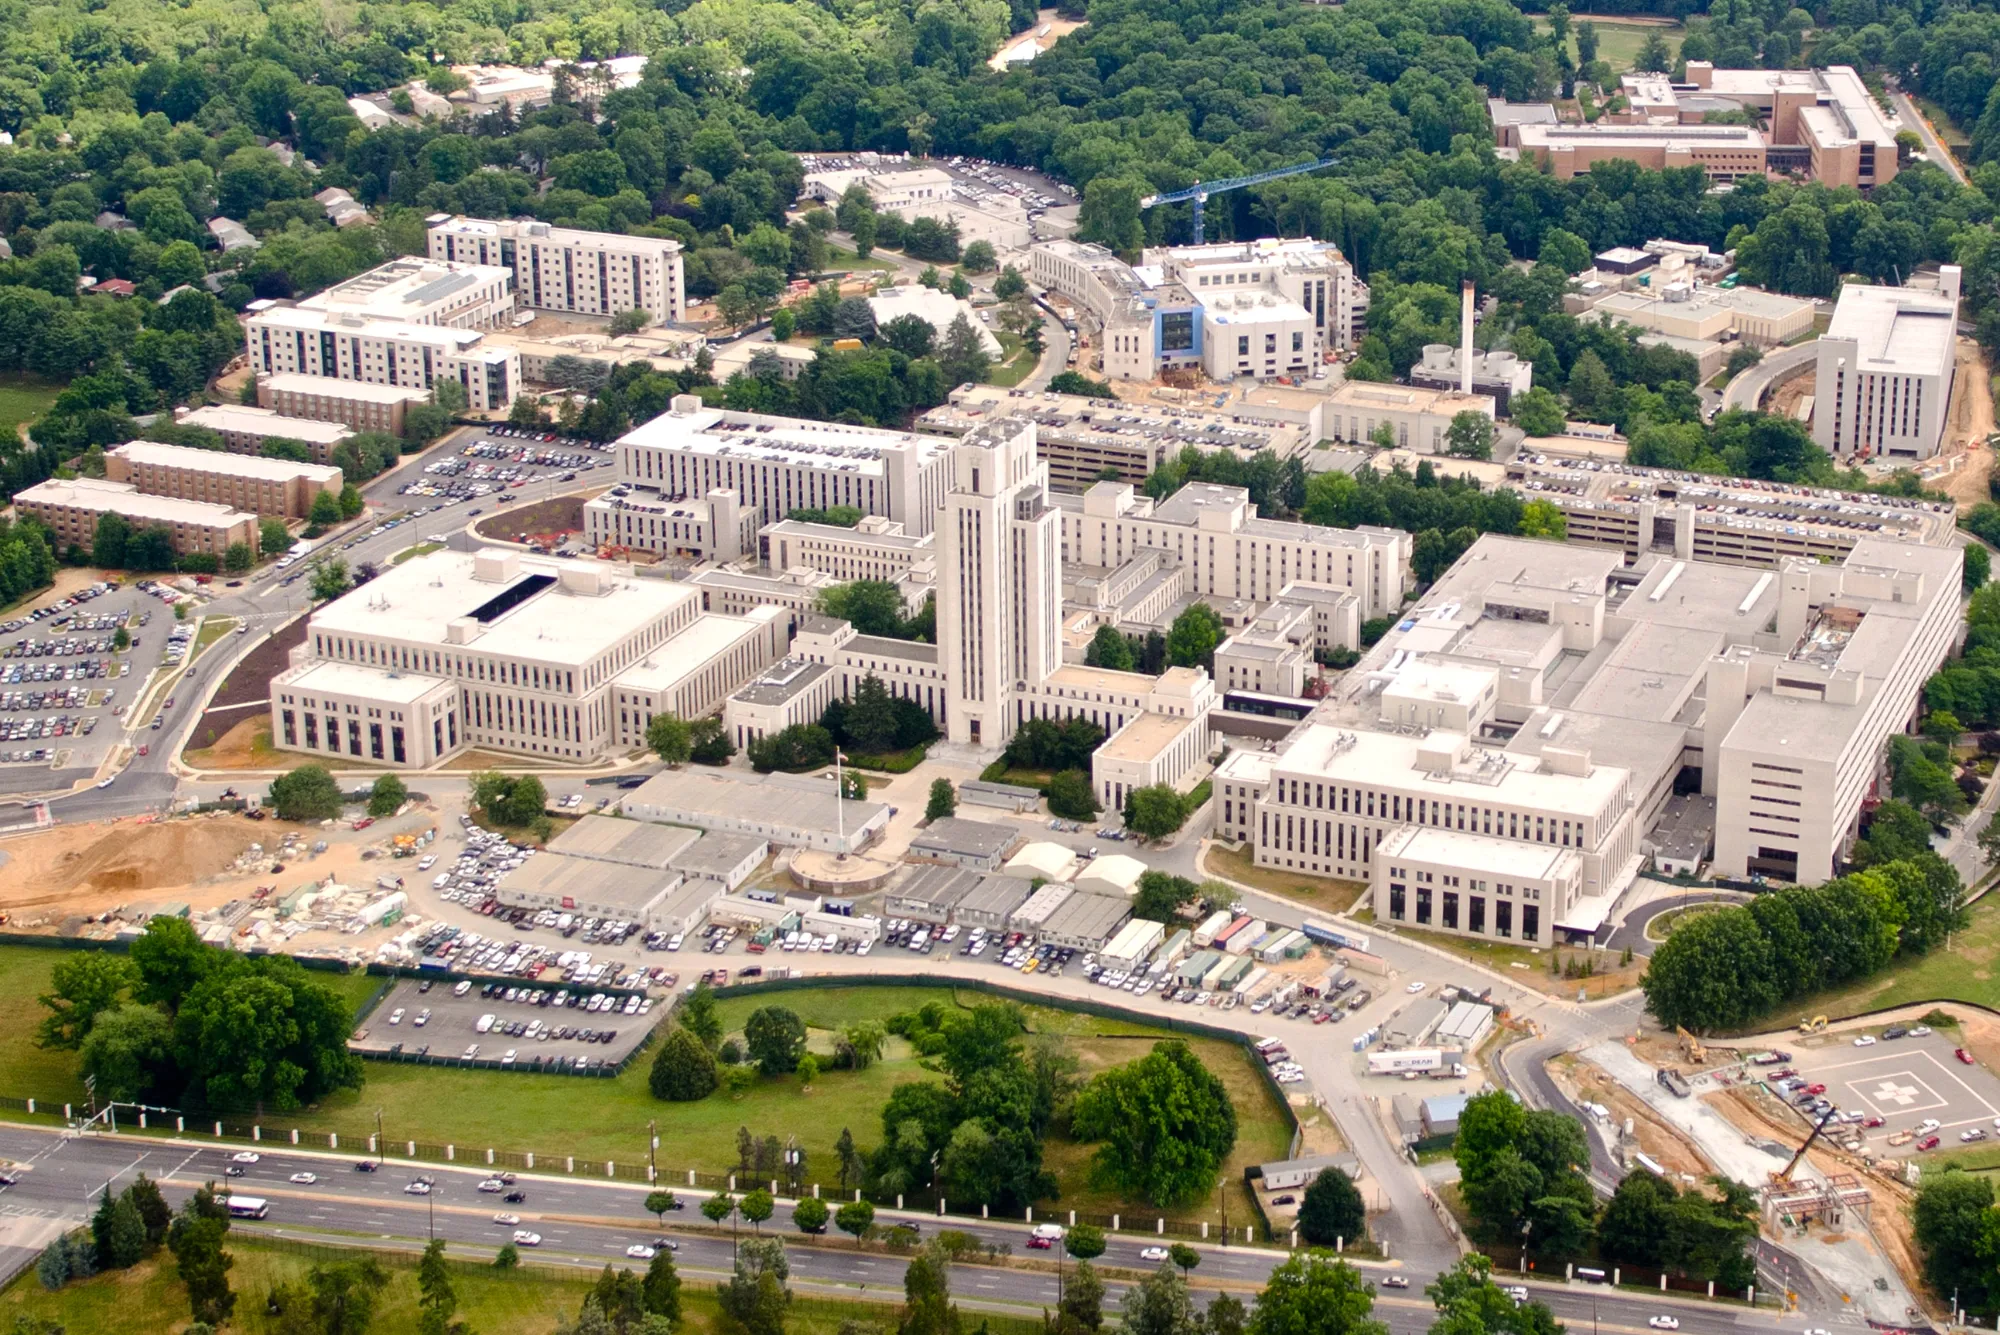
point(1201, 190)
point(1784, 1176)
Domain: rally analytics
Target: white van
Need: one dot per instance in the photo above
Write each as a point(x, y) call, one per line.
point(1053, 1232)
point(485, 1024)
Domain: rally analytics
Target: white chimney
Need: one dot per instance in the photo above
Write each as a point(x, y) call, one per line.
point(1465, 337)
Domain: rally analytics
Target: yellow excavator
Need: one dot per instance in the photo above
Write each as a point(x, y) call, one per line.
point(1691, 1046)
point(1816, 1025)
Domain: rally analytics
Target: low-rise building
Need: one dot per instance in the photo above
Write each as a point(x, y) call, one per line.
point(1157, 746)
point(71, 509)
point(244, 428)
point(932, 893)
point(1085, 922)
point(568, 268)
point(876, 548)
point(587, 887)
point(790, 692)
point(262, 486)
point(971, 844)
point(694, 673)
point(1043, 861)
point(1417, 415)
point(1498, 375)
point(406, 719)
point(1112, 874)
point(1692, 309)
point(630, 843)
point(785, 809)
point(722, 858)
point(713, 527)
point(353, 403)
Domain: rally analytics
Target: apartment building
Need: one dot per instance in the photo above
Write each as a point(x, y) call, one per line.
point(413, 290)
point(778, 464)
point(70, 510)
point(300, 340)
point(350, 403)
point(532, 652)
point(244, 429)
point(262, 486)
point(567, 268)
point(1886, 363)
point(1216, 533)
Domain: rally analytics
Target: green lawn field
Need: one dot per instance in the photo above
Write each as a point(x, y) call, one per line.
point(1618, 43)
point(1966, 971)
point(555, 1116)
point(23, 398)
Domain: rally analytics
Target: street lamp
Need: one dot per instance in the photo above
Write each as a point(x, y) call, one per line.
point(1526, 1226)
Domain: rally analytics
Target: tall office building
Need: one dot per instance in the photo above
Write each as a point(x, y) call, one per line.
point(566, 268)
point(999, 545)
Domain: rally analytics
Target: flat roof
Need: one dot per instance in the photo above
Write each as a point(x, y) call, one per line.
point(782, 800)
point(782, 681)
point(687, 653)
point(971, 838)
point(1478, 852)
point(1146, 735)
point(374, 683)
point(404, 287)
point(1408, 398)
point(562, 877)
point(1086, 916)
point(637, 843)
point(1319, 752)
point(251, 421)
point(1896, 330)
point(253, 466)
point(326, 386)
point(940, 885)
point(718, 853)
point(92, 493)
point(756, 438)
point(417, 601)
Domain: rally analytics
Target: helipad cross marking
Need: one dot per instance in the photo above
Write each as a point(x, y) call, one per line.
point(1891, 1092)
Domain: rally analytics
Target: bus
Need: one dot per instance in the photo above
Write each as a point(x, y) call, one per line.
point(248, 1207)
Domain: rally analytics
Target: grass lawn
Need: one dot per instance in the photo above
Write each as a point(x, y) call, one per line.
point(1661, 927)
point(891, 762)
point(1000, 772)
point(1017, 362)
point(213, 629)
point(1530, 967)
point(1618, 43)
point(421, 549)
point(837, 258)
point(23, 398)
point(149, 1300)
point(1321, 892)
point(1965, 972)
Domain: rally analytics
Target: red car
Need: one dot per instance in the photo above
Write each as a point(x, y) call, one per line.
point(1872, 1121)
point(1962, 1055)
point(1039, 1244)
point(1815, 1090)
point(1928, 1143)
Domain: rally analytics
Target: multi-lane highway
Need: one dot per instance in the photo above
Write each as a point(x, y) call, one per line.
point(591, 1222)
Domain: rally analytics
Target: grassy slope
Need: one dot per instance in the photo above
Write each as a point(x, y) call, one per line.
point(24, 398)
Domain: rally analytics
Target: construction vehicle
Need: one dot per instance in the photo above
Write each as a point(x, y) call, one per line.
point(1673, 1082)
point(1816, 1025)
point(1784, 1176)
point(1691, 1046)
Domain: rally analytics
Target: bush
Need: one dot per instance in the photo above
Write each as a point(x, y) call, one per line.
point(388, 794)
point(683, 1069)
point(308, 793)
point(1071, 796)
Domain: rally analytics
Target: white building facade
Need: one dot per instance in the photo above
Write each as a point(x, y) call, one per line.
point(1886, 363)
point(569, 269)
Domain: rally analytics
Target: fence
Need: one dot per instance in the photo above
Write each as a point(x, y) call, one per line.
point(1507, 1261)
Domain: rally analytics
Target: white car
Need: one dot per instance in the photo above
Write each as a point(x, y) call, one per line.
point(245, 1156)
point(1414, 988)
point(527, 1239)
point(508, 1219)
point(1665, 1323)
point(1865, 1041)
point(1153, 1254)
point(1919, 1030)
point(493, 1184)
point(417, 1189)
point(396, 1016)
point(305, 1179)
point(639, 1251)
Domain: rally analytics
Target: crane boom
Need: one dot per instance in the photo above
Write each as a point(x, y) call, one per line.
point(1201, 190)
point(1781, 1178)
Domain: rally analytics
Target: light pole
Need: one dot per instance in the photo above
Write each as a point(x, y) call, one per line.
point(381, 1145)
point(652, 1153)
point(1526, 1226)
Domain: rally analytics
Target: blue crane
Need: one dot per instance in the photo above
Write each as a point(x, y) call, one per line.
point(1201, 190)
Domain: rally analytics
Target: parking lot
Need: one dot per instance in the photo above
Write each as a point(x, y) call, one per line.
point(1894, 1095)
point(501, 459)
point(531, 1027)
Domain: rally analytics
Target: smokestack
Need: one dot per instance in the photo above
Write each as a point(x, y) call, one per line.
point(1465, 337)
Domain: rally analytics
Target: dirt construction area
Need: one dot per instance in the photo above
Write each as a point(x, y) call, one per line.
point(1969, 428)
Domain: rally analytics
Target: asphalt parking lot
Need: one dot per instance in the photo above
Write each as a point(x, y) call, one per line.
point(451, 1029)
point(497, 460)
point(1906, 1082)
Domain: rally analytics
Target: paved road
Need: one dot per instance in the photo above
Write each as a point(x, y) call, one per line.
point(594, 1222)
point(1934, 148)
point(1747, 391)
point(1632, 932)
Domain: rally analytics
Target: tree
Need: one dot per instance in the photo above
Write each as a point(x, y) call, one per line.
point(758, 1206)
point(810, 1215)
point(117, 1232)
point(774, 1038)
point(1161, 896)
point(195, 1238)
point(870, 718)
point(1071, 796)
point(1978, 565)
point(856, 1218)
point(755, 1297)
point(1953, 1219)
point(308, 793)
point(683, 1069)
point(660, 1291)
point(1155, 811)
point(1085, 1242)
point(129, 1052)
point(927, 1305)
point(325, 511)
point(978, 258)
point(708, 742)
point(83, 985)
point(1081, 1307)
point(1714, 972)
point(107, 548)
point(386, 796)
point(507, 1258)
point(963, 356)
point(155, 1215)
point(1009, 284)
point(1331, 1209)
point(670, 738)
point(1470, 436)
point(351, 502)
point(698, 1016)
point(1654, 57)
point(943, 800)
point(1314, 1294)
point(1192, 639)
point(910, 335)
point(848, 1157)
point(330, 578)
point(658, 1202)
point(629, 322)
point(272, 536)
point(1541, 519)
point(1183, 1257)
point(1166, 1123)
point(718, 1208)
point(437, 1298)
point(1109, 649)
point(237, 558)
